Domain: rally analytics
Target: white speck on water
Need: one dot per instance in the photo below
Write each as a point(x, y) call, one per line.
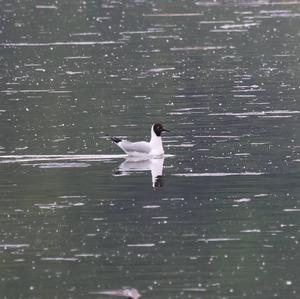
point(291, 210)
point(73, 73)
point(259, 143)
point(173, 15)
point(244, 96)
point(219, 174)
point(218, 157)
point(46, 7)
point(78, 204)
point(69, 43)
point(19, 260)
point(159, 70)
point(86, 34)
point(151, 207)
point(72, 196)
point(242, 200)
point(67, 259)
point(33, 158)
point(218, 240)
point(181, 145)
point(141, 245)
point(244, 25)
point(88, 255)
point(217, 22)
point(251, 231)
point(256, 113)
point(77, 57)
point(199, 48)
point(52, 206)
point(218, 136)
point(6, 246)
point(176, 199)
point(261, 195)
point(194, 290)
point(63, 165)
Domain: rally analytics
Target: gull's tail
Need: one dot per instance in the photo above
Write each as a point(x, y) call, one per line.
point(115, 139)
point(119, 143)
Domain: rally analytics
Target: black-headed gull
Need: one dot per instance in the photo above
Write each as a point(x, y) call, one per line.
point(154, 148)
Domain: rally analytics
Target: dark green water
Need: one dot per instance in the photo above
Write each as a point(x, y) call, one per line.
point(76, 219)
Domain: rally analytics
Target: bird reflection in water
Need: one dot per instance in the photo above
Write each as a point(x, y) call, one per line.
point(155, 165)
point(126, 293)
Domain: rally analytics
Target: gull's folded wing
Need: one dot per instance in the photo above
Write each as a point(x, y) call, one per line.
point(139, 147)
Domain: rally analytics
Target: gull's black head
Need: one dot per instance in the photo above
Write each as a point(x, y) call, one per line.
point(158, 129)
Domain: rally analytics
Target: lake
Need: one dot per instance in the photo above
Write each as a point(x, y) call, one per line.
point(217, 217)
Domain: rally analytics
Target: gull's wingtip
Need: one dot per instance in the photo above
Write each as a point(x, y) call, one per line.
point(115, 139)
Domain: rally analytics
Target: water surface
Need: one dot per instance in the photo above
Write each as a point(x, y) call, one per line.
point(218, 217)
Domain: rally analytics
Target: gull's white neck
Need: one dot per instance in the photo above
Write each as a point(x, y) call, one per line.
point(156, 143)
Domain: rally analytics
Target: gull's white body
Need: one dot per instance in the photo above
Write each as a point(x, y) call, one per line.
point(154, 148)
